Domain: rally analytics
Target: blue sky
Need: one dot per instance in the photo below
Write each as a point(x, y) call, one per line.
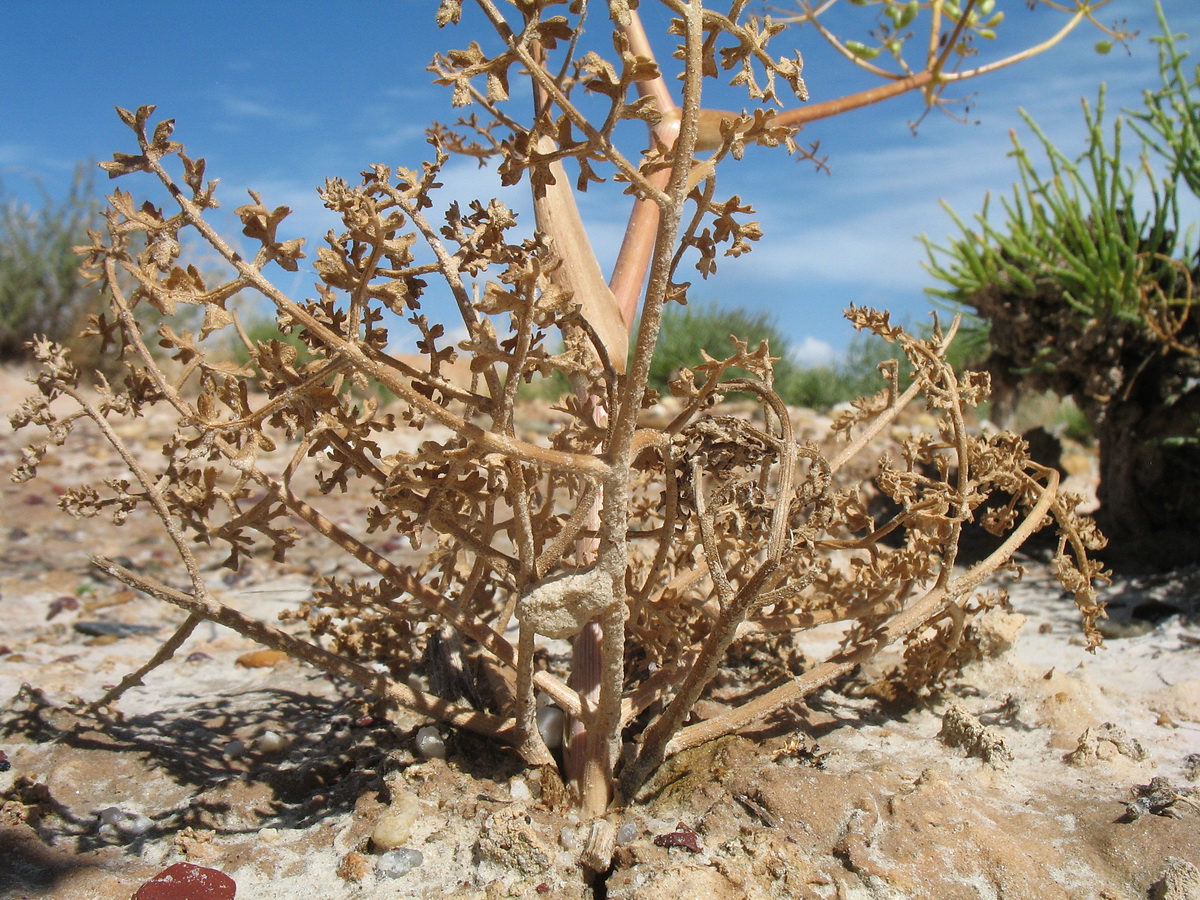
point(279, 96)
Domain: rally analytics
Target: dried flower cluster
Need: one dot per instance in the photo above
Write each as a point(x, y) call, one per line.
point(654, 547)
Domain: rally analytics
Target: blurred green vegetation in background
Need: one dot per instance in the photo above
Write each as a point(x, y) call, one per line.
point(42, 291)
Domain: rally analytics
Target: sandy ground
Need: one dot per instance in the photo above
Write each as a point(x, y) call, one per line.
point(1040, 772)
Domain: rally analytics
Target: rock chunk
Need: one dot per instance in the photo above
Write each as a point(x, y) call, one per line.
point(184, 881)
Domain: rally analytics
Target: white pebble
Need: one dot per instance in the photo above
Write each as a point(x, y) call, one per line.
point(135, 826)
point(627, 833)
point(429, 743)
point(550, 723)
point(268, 835)
point(399, 862)
point(234, 749)
point(271, 742)
point(118, 824)
point(518, 789)
point(112, 815)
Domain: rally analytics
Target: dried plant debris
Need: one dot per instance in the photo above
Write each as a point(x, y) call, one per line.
point(961, 729)
point(1191, 766)
point(1105, 742)
point(654, 548)
point(1160, 798)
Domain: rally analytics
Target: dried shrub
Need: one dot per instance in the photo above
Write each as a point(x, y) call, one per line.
point(654, 547)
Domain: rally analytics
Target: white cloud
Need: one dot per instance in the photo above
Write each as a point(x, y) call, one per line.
point(812, 352)
point(267, 111)
point(395, 138)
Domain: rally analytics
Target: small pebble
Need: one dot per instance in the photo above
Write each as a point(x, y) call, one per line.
point(61, 605)
point(1191, 765)
point(429, 743)
point(113, 630)
point(627, 833)
point(398, 862)
point(136, 826)
point(261, 659)
point(353, 867)
point(117, 824)
point(271, 742)
point(395, 825)
point(688, 840)
point(550, 724)
point(234, 749)
point(268, 835)
point(518, 789)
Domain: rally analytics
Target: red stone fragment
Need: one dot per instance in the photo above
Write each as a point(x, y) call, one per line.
point(184, 881)
point(62, 604)
point(688, 840)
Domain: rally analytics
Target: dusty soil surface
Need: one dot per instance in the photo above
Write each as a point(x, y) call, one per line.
point(1042, 771)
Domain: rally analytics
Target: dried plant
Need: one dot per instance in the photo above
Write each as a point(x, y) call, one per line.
point(654, 548)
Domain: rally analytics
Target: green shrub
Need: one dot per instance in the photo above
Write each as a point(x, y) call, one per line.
point(686, 330)
point(264, 329)
point(42, 291)
point(709, 326)
point(854, 375)
point(1088, 286)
